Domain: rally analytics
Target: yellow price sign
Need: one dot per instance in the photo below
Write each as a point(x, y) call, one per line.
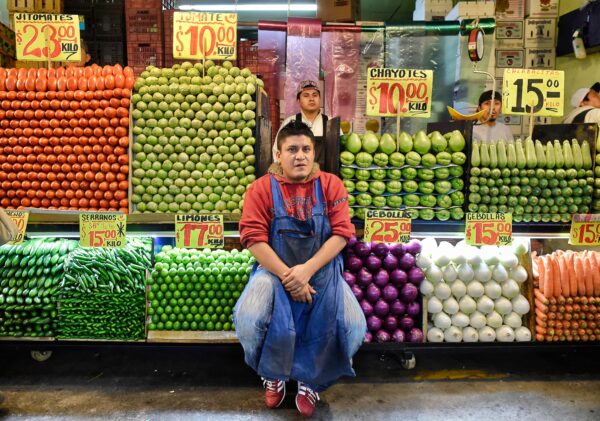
point(405, 89)
point(585, 230)
point(533, 91)
point(488, 229)
point(199, 231)
point(198, 35)
point(387, 226)
point(102, 229)
point(44, 37)
point(20, 219)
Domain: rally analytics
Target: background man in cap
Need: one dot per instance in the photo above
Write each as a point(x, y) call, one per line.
point(309, 99)
point(586, 106)
point(488, 128)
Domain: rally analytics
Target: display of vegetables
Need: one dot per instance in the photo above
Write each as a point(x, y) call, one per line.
point(423, 174)
point(103, 292)
point(194, 138)
point(567, 300)
point(30, 274)
point(385, 279)
point(474, 294)
point(196, 289)
point(64, 137)
point(534, 181)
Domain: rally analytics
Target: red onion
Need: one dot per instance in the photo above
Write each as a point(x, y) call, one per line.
point(413, 247)
point(397, 308)
point(407, 261)
point(409, 293)
point(352, 241)
point(374, 323)
point(362, 249)
point(397, 249)
point(368, 337)
point(390, 293)
point(364, 278)
point(379, 249)
point(358, 293)
point(373, 263)
point(372, 293)
point(398, 336)
point(416, 276)
point(381, 308)
point(415, 335)
point(406, 323)
point(390, 323)
point(349, 278)
point(366, 307)
point(390, 262)
point(382, 336)
point(381, 278)
point(354, 264)
point(413, 309)
point(398, 277)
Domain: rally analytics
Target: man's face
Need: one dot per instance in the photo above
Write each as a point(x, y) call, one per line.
point(490, 114)
point(593, 99)
point(310, 100)
point(296, 157)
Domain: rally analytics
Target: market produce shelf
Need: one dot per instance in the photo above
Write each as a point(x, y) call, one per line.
point(199, 337)
point(27, 339)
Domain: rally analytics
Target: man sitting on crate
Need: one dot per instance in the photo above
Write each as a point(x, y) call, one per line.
point(586, 106)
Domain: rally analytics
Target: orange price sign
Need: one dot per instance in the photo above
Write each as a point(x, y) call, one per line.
point(409, 89)
point(102, 229)
point(20, 218)
point(486, 229)
point(387, 226)
point(199, 231)
point(198, 35)
point(45, 37)
point(585, 230)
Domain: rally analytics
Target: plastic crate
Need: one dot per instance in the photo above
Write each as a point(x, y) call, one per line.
point(108, 22)
point(108, 53)
point(21, 5)
point(145, 54)
point(49, 6)
point(143, 4)
point(143, 26)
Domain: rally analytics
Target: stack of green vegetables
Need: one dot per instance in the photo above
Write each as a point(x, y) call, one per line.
point(196, 289)
point(534, 181)
point(422, 174)
point(103, 293)
point(30, 274)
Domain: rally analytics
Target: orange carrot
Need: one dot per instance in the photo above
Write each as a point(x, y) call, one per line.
point(540, 314)
point(540, 330)
point(559, 267)
point(594, 267)
point(539, 338)
point(566, 278)
point(542, 274)
point(542, 307)
point(589, 282)
point(587, 261)
point(539, 296)
point(540, 323)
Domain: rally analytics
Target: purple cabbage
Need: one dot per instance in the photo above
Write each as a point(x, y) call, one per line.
point(365, 278)
point(415, 335)
point(374, 323)
point(390, 323)
point(373, 263)
point(362, 250)
point(379, 249)
point(413, 247)
point(358, 293)
point(409, 293)
point(416, 276)
point(381, 308)
point(390, 262)
point(366, 307)
point(407, 261)
point(354, 264)
point(406, 323)
point(413, 309)
point(349, 278)
point(397, 308)
point(381, 278)
point(398, 336)
point(398, 277)
point(372, 293)
point(368, 337)
point(397, 249)
point(382, 336)
point(390, 293)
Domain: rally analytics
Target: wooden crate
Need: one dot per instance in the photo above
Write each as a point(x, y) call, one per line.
point(21, 5)
point(49, 6)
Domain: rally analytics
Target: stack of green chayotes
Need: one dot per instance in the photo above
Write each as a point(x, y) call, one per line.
point(422, 173)
point(534, 181)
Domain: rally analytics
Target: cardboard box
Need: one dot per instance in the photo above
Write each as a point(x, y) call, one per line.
point(540, 58)
point(472, 9)
point(510, 9)
point(338, 10)
point(542, 8)
point(540, 32)
point(431, 9)
point(510, 34)
point(513, 58)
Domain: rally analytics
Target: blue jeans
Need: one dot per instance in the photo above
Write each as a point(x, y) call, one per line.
point(252, 313)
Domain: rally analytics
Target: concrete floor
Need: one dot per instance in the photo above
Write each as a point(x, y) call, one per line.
point(167, 385)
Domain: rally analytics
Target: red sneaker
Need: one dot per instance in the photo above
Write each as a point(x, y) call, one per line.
point(306, 399)
point(274, 392)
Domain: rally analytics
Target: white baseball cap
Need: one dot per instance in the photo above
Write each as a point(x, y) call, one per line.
point(579, 96)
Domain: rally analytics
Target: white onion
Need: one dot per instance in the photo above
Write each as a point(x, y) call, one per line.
point(460, 319)
point(503, 306)
point(435, 334)
point(519, 274)
point(513, 320)
point(423, 261)
point(483, 272)
point(487, 334)
point(510, 289)
point(434, 305)
point(520, 305)
point(442, 320)
point(426, 288)
point(522, 334)
point(494, 320)
point(490, 254)
point(485, 305)
point(449, 273)
point(442, 291)
point(477, 320)
point(470, 335)
point(465, 272)
point(433, 274)
point(453, 334)
point(493, 290)
point(509, 260)
point(458, 288)
point(467, 305)
point(499, 274)
point(451, 306)
point(475, 289)
point(505, 334)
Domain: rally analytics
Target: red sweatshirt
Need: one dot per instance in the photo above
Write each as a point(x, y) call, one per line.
point(298, 197)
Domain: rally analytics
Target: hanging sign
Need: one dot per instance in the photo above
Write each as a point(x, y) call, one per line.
point(45, 37)
point(20, 219)
point(533, 91)
point(488, 229)
point(585, 230)
point(198, 35)
point(102, 229)
point(387, 226)
point(408, 89)
point(199, 231)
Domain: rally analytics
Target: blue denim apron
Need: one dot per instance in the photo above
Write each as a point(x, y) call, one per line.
point(305, 342)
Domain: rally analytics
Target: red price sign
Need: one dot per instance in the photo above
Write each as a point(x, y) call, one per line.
point(42, 37)
point(199, 231)
point(585, 230)
point(403, 91)
point(486, 229)
point(199, 35)
point(102, 229)
point(20, 219)
point(387, 226)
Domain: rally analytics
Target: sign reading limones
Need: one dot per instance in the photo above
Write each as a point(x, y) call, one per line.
point(199, 231)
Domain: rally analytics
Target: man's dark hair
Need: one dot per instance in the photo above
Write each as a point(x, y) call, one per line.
point(487, 96)
point(294, 128)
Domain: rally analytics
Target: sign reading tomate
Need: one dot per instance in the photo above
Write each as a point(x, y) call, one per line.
point(199, 231)
point(20, 219)
point(102, 229)
point(408, 89)
point(585, 230)
point(488, 229)
point(387, 226)
point(44, 37)
point(199, 35)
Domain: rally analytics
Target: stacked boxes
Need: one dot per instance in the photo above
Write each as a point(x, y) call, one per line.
point(431, 9)
point(247, 55)
point(472, 9)
point(168, 38)
point(144, 31)
point(7, 46)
